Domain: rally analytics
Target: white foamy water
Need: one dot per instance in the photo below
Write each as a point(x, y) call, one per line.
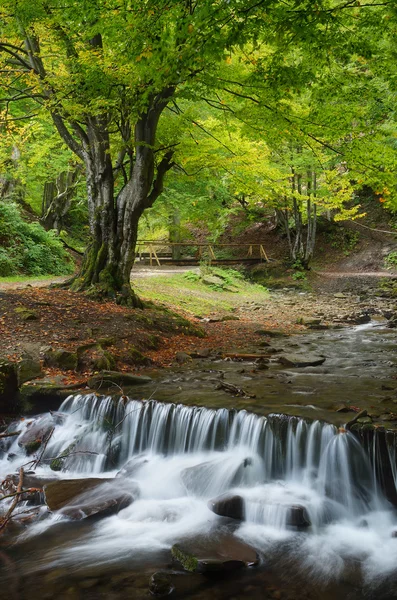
point(181, 457)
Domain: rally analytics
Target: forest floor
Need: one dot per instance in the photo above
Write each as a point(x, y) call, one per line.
point(34, 318)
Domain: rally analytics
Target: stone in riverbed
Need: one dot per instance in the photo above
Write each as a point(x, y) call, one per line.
point(301, 360)
point(228, 505)
point(160, 585)
point(79, 499)
point(297, 517)
point(36, 434)
point(132, 466)
point(217, 554)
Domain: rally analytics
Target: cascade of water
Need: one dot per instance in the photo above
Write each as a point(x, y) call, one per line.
point(275, 461)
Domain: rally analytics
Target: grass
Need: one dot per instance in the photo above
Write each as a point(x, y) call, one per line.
point(27, 278)
point(187, 291)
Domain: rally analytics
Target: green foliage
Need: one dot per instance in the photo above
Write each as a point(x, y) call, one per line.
point(26, 248)
point(391, 260)
point(343, 239)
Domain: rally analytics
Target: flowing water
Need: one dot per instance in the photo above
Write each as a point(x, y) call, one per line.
point(182, 457)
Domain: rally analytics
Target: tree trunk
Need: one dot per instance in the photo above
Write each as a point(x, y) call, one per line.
point(108, 261)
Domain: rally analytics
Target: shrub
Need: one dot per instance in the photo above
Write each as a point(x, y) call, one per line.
point(27, 248)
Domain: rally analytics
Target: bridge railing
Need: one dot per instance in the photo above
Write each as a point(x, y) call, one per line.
point(204, 250)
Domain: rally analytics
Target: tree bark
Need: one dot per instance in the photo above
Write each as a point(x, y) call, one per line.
point(113, 220)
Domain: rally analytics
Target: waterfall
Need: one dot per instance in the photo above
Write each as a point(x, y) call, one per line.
point(294, 477)
point(234, 448)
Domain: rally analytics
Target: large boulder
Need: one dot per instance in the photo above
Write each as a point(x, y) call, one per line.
point(298, 517)
point(79, 499)
point(228, 505)
point(28, 368)
point(301, 360)
point(207, 554)
point(36, 434)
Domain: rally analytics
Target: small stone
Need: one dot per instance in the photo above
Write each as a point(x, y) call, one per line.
point(301, 360)
point(160, 585)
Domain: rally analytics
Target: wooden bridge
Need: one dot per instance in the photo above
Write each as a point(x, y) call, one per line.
point(181, 253)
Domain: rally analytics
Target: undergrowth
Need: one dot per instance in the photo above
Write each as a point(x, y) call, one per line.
point(27, 248)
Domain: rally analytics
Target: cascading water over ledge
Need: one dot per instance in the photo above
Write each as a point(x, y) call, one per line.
point(183, 458)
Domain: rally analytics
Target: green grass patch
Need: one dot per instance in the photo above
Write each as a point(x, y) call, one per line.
point(225, 290)
point(25, 278)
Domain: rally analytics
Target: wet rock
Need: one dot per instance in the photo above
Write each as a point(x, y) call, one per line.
point(364, 420)
point(361, 414)
point(301, 360)
point(30, 480)
point(61, 359)
point(216, 554)
point(79, 499)
point(105, 380)
point(132, 466)
point(298, 517)
point(228, 505)
point(36, 434)
point(197, 478)
point(342, 408)
point(160, 585)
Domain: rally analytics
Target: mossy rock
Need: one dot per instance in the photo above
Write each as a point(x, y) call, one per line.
point(113, 379)
point(137, 358)
point(28, 369)
point(187, 560)
point(61, 359)
point(26, 314)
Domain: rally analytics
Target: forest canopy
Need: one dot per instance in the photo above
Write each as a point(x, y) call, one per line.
point(112, 110)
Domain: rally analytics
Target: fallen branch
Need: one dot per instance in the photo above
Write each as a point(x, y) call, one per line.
point(239, 356)
point(11, 434)
point(38, 461)
point(233, 389)
point(28, 491)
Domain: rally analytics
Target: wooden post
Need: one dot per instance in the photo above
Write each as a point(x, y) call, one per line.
point(263, 253)
point(153, 253)
point(212, 255)
point(249, 251)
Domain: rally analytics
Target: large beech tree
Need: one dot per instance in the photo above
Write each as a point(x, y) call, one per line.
point(105, 70)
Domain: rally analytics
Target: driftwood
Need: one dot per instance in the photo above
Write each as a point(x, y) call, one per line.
point(239, 356)
point(4, 521)
point(11, 434)
point(233, 389)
